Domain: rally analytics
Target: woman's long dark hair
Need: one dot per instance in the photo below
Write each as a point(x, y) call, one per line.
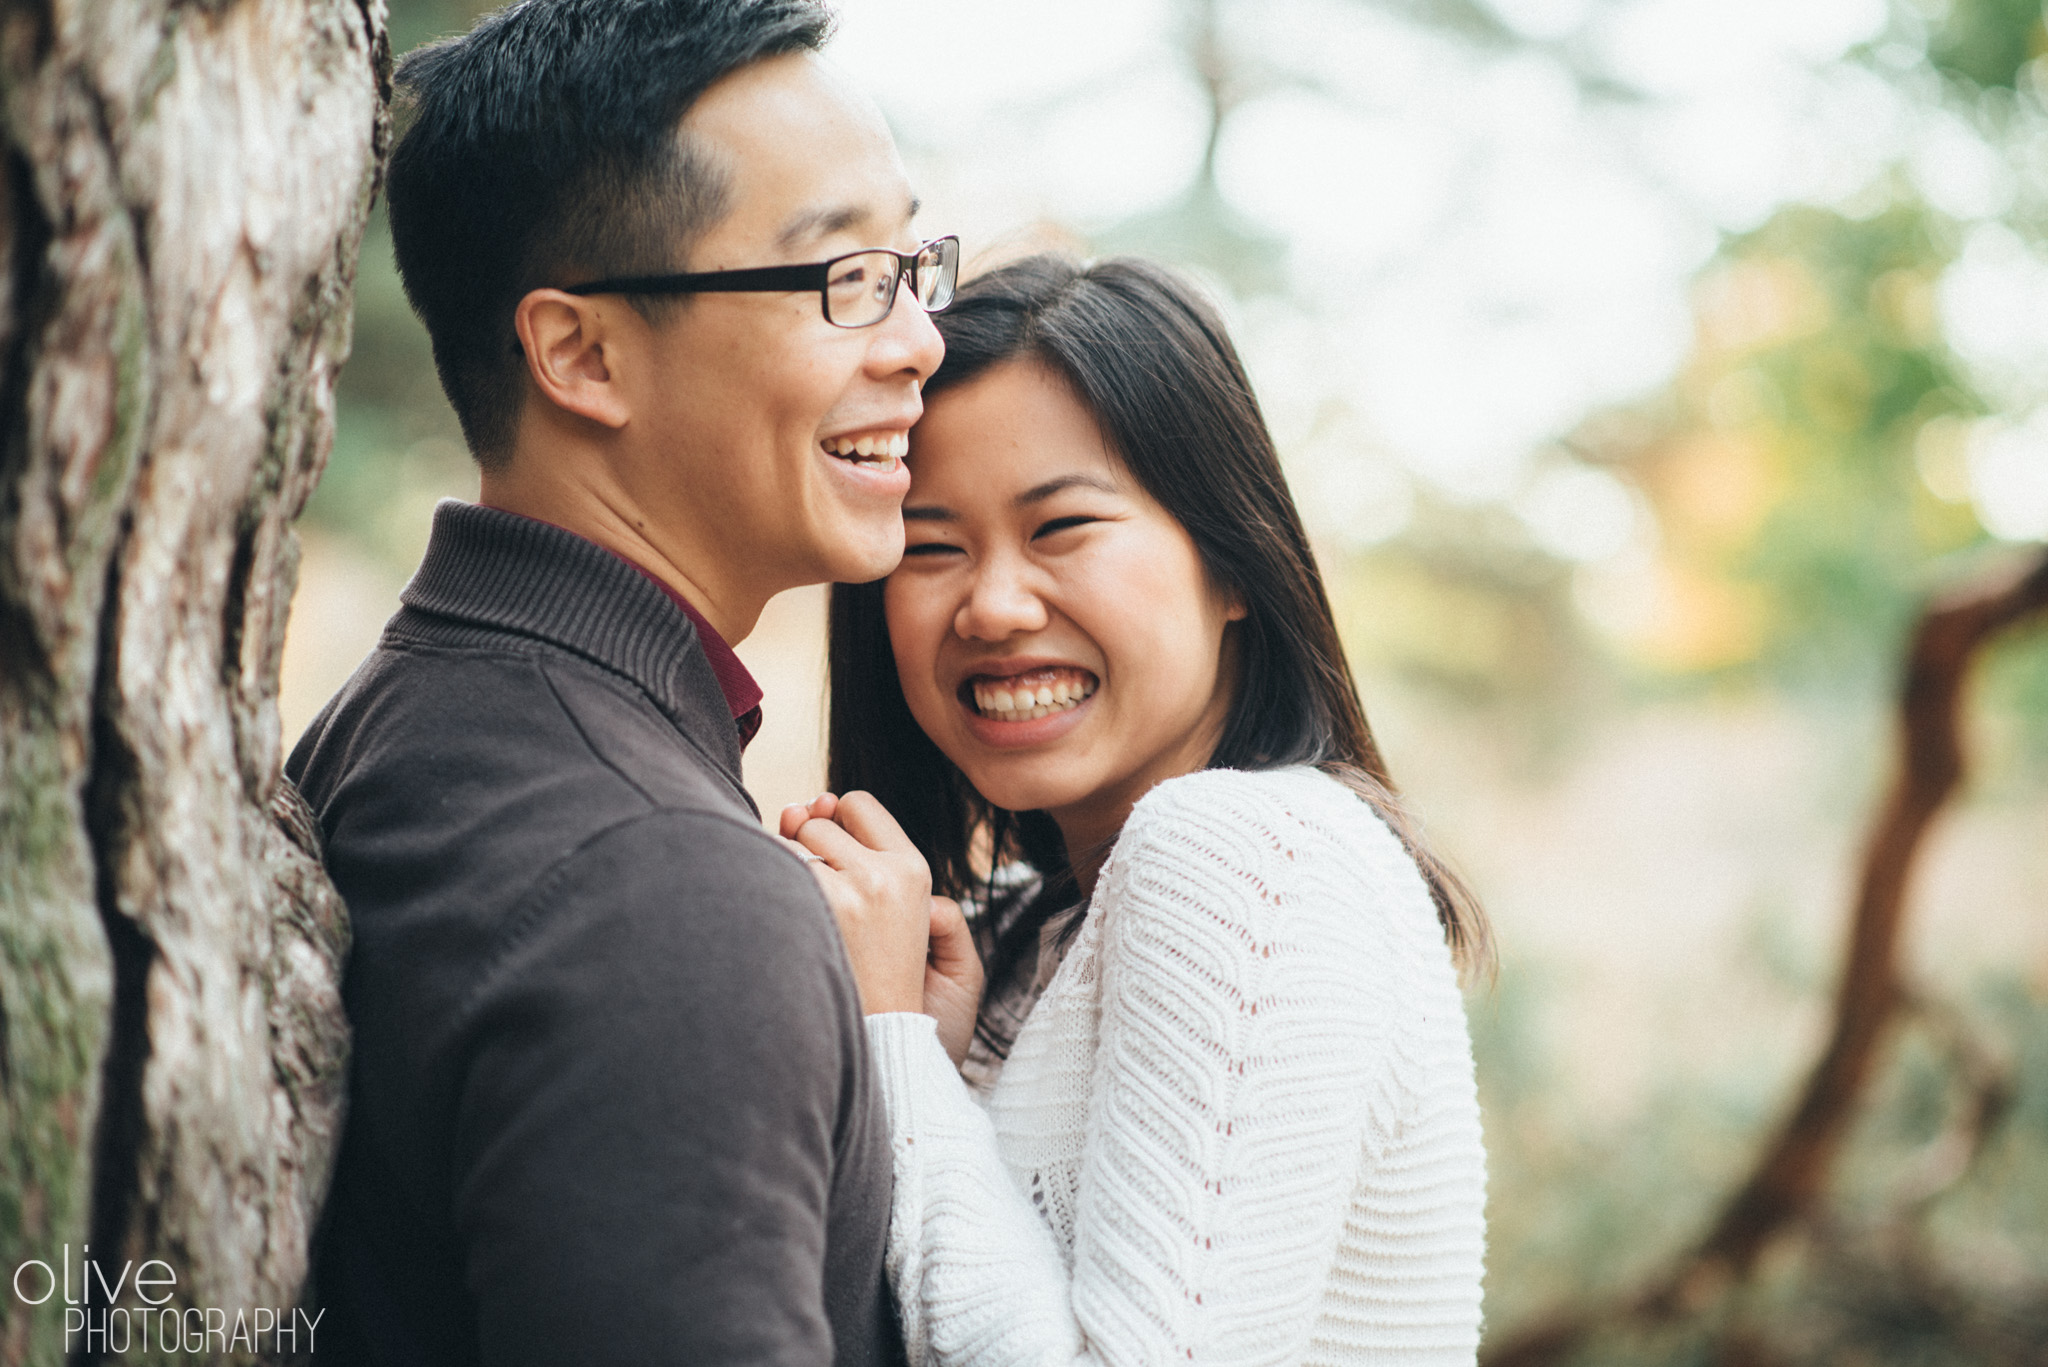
point(1150, 358)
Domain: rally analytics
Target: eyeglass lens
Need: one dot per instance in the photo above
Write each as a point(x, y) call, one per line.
point(862, 288)
point(938, 271)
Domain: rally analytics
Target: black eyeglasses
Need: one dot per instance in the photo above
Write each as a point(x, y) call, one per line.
point(857, 290)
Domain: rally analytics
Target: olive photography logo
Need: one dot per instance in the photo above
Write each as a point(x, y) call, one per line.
point(95, 1322)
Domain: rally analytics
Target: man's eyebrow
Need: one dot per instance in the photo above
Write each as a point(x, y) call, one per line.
point(820, 223)
point(824, 222)
point(1040, 492)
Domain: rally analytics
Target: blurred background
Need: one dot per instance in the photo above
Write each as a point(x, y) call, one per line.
point(1642, 367)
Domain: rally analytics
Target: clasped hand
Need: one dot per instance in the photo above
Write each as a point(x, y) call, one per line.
point(910, 951)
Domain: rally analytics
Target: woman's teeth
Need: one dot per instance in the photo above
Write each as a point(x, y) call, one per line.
point(1027, 699)
point(881, 449)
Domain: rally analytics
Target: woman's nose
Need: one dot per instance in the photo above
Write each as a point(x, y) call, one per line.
point(1000, 604)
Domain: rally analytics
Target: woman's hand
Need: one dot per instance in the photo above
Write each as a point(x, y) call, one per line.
point(952, 978)
point(910, 951)
point(880, 891)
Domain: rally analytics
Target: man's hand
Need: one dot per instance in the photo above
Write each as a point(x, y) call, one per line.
point(910, 951)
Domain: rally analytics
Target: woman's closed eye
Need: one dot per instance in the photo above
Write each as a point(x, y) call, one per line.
point(1062, 524)
point(1051, 528)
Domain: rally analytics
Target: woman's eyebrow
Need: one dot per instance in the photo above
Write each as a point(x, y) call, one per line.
point(930, 513)
point(1038, 493)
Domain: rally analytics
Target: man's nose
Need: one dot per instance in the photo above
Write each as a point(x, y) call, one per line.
point(906, 342)
point(1001, 603)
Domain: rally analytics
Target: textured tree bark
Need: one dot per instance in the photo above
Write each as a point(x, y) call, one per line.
point(184, 191)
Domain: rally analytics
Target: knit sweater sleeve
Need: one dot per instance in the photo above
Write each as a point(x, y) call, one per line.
point(1225, 1122)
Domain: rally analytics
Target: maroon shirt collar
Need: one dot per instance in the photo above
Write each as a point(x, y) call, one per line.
point(742, 693)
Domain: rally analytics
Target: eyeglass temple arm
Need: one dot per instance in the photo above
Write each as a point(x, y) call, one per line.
point(747, 281)
point(761, 278)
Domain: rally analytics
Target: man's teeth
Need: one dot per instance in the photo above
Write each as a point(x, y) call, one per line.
point(879, 448)
point(1014, 701)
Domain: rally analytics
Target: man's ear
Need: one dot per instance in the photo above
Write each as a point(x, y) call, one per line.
point(566, 340)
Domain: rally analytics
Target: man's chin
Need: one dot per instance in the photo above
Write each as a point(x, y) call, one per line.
point(867, 561)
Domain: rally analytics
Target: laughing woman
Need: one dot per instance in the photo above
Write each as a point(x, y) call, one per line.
point(1237, 1121)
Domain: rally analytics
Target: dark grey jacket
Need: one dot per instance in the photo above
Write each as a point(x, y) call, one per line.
point(611, 1100)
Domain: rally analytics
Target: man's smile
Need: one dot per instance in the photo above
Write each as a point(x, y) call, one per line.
point(881, 447)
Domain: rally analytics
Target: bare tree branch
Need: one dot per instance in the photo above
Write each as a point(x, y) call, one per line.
point(1788, 1178)
point(1988, 1089)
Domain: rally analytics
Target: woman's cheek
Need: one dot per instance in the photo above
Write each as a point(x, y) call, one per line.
point(1162, 632)
point(911, 641)
point(1131, 595)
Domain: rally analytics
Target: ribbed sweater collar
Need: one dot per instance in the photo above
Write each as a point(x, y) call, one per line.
point(498, 570)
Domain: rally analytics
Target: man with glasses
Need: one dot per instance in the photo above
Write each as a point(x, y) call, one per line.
point(610, 1098)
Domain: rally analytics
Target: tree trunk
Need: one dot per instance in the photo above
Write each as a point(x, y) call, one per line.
point(184, 191)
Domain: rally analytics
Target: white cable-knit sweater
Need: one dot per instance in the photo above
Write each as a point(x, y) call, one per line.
point(1239, 1126)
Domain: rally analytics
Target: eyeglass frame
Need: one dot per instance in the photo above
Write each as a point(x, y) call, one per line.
point(815, 275)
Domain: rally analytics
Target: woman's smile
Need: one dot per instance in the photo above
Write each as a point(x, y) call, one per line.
point(1014, 706)
point(1028, 694)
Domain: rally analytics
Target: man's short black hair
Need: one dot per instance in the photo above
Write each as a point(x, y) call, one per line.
point(542, 146)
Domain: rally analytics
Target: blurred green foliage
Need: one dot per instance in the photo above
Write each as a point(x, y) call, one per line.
point(1783, 461)
point(1987, 43)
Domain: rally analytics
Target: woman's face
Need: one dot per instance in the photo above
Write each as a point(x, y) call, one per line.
point(1054, 629)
